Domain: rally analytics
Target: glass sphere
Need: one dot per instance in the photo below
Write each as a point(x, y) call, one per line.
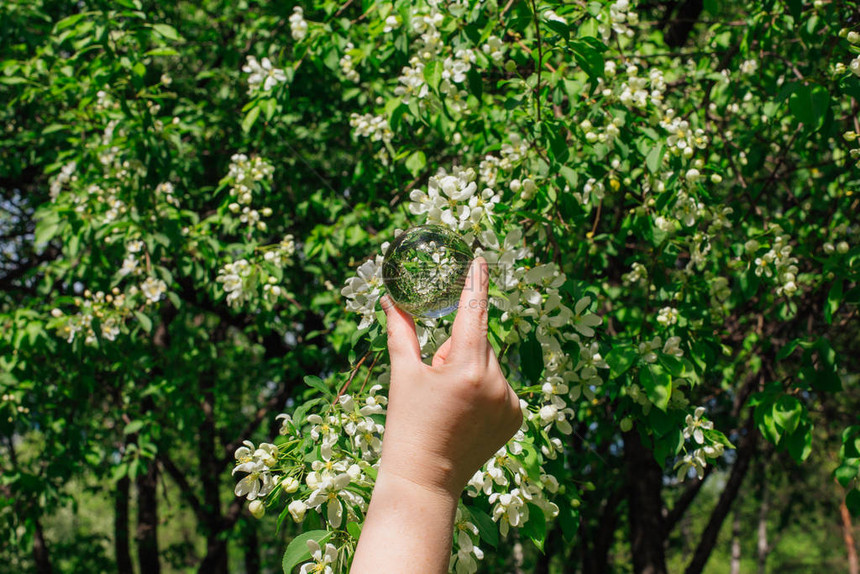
point(424, 270)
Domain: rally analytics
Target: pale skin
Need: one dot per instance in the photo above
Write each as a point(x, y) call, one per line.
point(444, 421)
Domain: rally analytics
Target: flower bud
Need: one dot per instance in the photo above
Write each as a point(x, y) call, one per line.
point(842, 247)
point(257, 508)
point(297, 509)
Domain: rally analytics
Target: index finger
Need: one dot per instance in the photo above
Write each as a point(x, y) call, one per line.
point(469, 333)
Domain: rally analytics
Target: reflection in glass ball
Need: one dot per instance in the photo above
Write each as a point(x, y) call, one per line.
point(424, 270)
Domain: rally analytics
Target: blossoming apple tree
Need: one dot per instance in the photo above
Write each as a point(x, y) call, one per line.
point(198, 215)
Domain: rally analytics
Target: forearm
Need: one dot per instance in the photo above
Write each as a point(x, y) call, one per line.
point(409, 529)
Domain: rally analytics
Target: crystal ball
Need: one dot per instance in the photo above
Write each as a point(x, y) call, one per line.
point(424, 270)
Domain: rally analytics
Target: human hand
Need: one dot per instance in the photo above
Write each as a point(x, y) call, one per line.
point(446, 419)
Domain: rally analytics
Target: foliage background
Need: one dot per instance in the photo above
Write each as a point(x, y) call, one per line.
point(120, 123)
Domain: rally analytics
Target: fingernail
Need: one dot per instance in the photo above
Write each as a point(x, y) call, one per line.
point(385, 303)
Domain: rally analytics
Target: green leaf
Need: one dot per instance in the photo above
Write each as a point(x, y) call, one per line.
point(535, 528)
point(809, 105)
point(318, 384)
point(852, 501)
point(851, 442)
point(297, 551)
point(845, 474)
point(433, 74)
point(69, 21)
point(133, 427)
point(787, 349)
point(167, 31)
point(560, 28)
point(655, 157)
point(144, 320)
point(487, 529)
point(47, 227)
point(799, 444)
point(657, 384)
point(476, 84)
point(558, 143)
point(588, 57)
point(787, 412)
point(416, 162)
point(54, 128)
point(569, 520)
point(250, 119)
point(834, 299)
point(531, 359)
point(165, 51)
point(354, 529)
point(620, 359)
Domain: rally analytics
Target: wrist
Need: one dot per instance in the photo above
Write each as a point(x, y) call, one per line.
point(435, 474)
point(437, 492)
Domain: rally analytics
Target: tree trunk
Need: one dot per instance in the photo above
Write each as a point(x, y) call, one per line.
point(215, 561)
point(40, 549)
point(848, 536)
point(147, 521)
point(595, 558)
point(709, 537)
point(764, 508)
point(647, 528)
point(682, 22)
point(120, 527)
point(736, 542)
point(252, 548)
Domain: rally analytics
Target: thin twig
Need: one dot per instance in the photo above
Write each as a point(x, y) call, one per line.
point(369, 371)
point(351, 376)
point(596, 218)
point(540, 59)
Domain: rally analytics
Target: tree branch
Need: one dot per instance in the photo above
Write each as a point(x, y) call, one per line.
point(724, 504)
point(179, 478)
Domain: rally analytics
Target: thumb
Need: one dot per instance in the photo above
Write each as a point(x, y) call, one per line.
point(402, 338)
point(469, 332)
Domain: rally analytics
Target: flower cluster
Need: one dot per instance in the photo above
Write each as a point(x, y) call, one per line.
point(364, 289)
point(370, 126)
point(777, 262)
point(247, 177)
point(262, 75)
point(348, 438)
point(699, 430)
point(242, 278)
point(298, 25)
point(98, 315)
point(453, 200)
point(347, 65)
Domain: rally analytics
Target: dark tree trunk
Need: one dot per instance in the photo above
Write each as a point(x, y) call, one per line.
point(215, 561)
point(736, 543)
point(709, 537)
point(147, 521)
point(120, 527)
point(764, 508)
point(647, 525)
point(40, 549)
point(596, 544)
point(682, 22)
point(252, 548)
